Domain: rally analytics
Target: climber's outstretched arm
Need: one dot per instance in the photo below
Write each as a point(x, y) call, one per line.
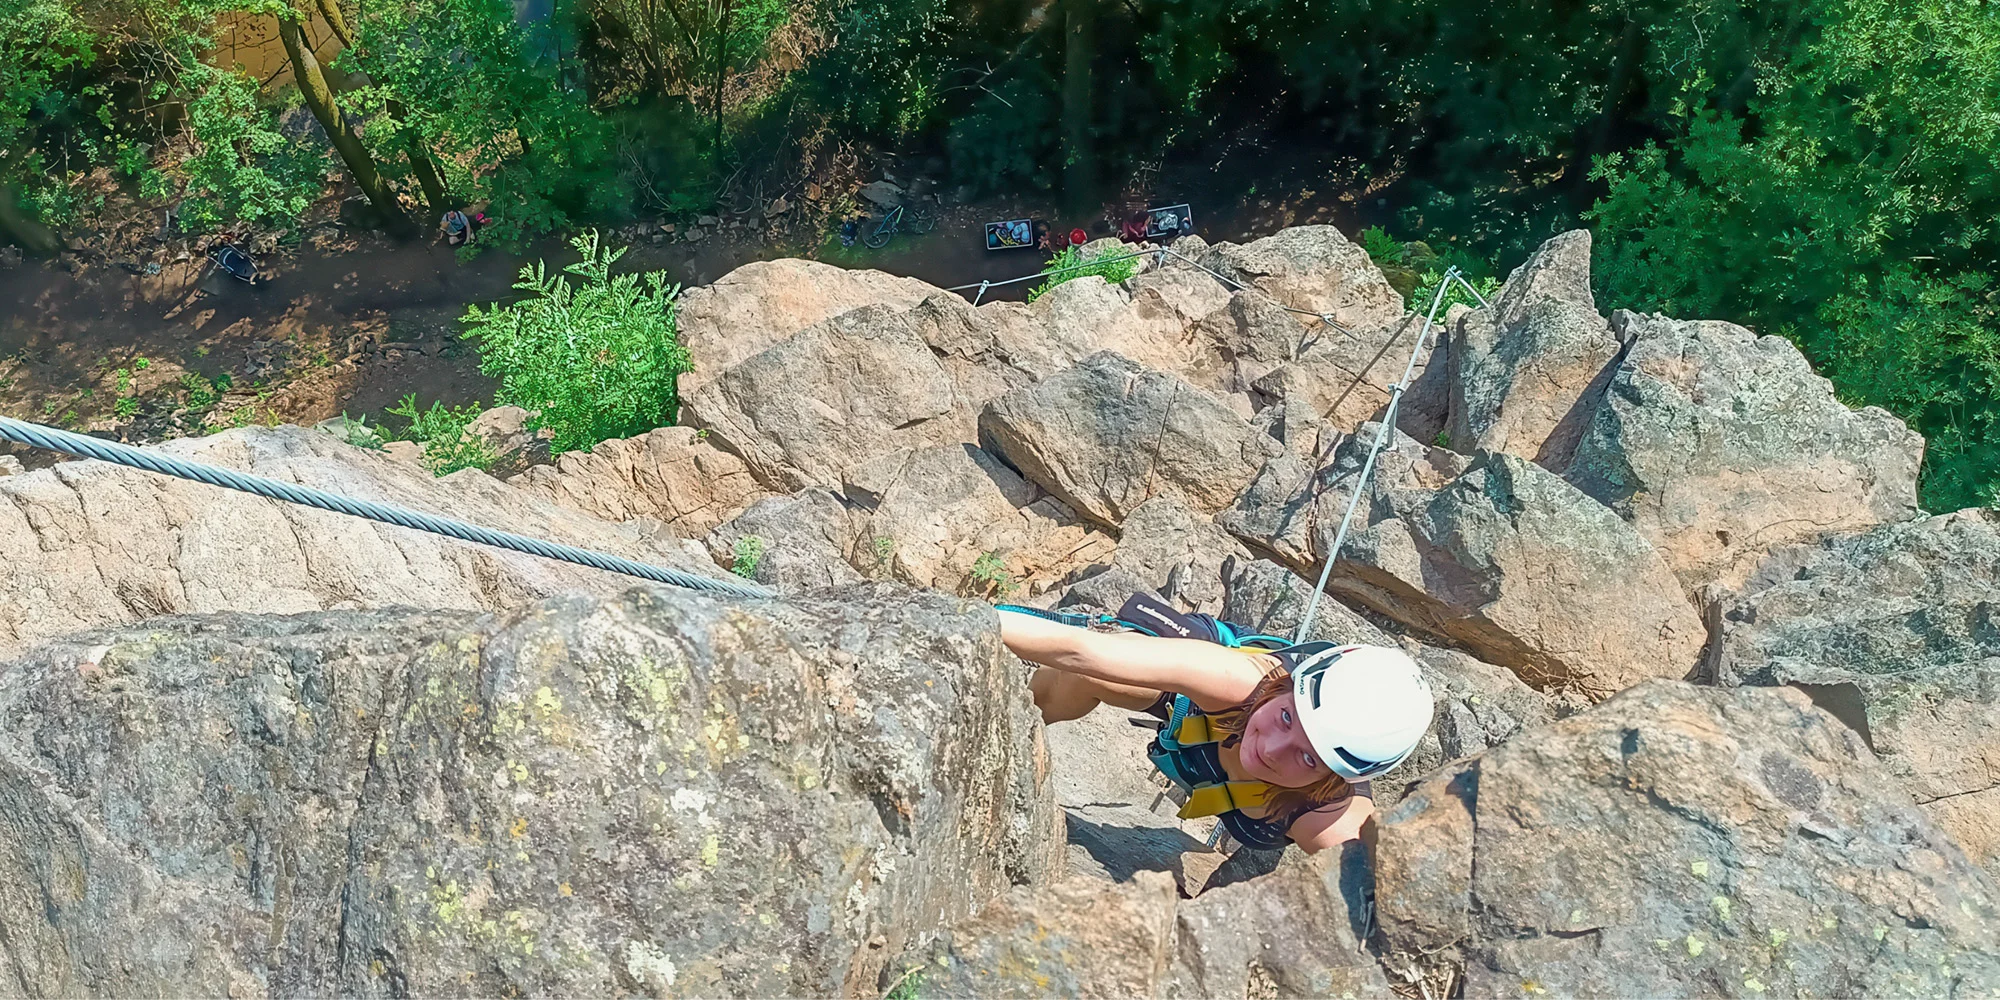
point(1213, 677)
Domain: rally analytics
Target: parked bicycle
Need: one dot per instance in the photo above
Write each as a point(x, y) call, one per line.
point(919, 219)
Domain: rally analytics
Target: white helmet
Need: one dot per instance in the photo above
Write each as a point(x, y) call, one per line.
point(1364, 707)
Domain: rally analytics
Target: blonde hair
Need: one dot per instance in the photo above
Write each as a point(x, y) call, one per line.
point(1284, 804)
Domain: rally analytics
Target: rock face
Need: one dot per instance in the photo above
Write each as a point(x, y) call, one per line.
point(618, 792)
point(1897, 632)
point(671, 475)
point(1294, 506)
point(1290, 933)
point(1108, 435)
point(1527, 371)
point(832, 397)
point(1178, 552)
point(1682, 841)
point(1119, 821)
point(1080, 938)
point(87, 544)
point(1273, 600)
point(656, 793)
point(797, 542)
point(953, 517)
point(1477, 706)
point(1315, 268)
point(1346, 380)
point(1720, 445)
point(766, 302)
point(1521, 569)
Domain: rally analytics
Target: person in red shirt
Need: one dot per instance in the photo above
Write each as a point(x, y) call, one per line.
point(1134, 230)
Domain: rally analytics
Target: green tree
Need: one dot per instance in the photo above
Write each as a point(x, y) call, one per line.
point(597, 357)
point(510, 125)
point(1849, 208)
point(40, 40)
point(320, 98)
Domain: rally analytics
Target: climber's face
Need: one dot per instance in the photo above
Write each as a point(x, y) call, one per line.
point(1274, 747)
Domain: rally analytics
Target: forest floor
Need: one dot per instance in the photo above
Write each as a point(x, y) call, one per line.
point(137, 338)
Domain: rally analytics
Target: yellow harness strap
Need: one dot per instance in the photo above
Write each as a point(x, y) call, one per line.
point(1214, 800)
point(1194, 730)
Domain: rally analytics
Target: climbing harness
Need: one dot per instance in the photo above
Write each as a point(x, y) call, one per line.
point(37, 436)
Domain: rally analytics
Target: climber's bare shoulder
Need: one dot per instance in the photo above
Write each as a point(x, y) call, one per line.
point(1335, 825)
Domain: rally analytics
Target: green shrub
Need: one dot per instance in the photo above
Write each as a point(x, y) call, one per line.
point(448, 446)
point(989, 571)
point(355, 431)
point(749, 552)
point(1069, 265)
point(202, 393)
point(597, 357)
point(1383, 249)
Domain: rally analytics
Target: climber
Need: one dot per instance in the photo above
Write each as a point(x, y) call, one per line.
point(1278, 743)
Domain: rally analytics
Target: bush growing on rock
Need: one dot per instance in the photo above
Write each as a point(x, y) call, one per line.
point(597, 357)
point(1072, 264)
point(442, 430)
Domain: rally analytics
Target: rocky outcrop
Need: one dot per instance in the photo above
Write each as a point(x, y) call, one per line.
point(1501, 558)
point(87, 544)
point(1720, 445)
point(1107, 435)
point(1119, 818)
point(1146, 320)
point(1273, 600)
point(1294, 506)
point(1477, 706)
point(764, 303)
point(1079, 938)
point(833, 396)
point(656, 793)
point(1679, 840)
point(1315, 268)
point(1897, 632)
point(1523, 570)
point(1527, 371)
point(1346, 380)
point(672, 475)
point(644, 792)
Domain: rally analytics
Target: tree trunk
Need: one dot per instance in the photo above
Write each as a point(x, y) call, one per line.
point(1079, 44)
point(329, 11)
point(436, 198)
point(319, 97)
point(721, 72)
